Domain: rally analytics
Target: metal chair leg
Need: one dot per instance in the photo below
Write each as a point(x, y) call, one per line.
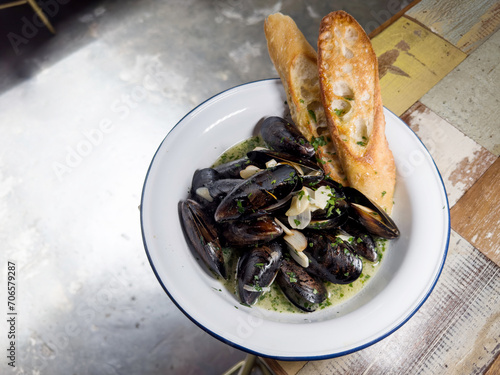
point(42, 16)
point(246, 366)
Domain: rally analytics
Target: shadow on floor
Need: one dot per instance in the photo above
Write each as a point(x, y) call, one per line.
point(27, 46)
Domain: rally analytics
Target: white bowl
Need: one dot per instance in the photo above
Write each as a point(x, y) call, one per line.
point(406, 277)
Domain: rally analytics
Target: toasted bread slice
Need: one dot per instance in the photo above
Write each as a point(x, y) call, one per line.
point(348, 76)
point(296, 62)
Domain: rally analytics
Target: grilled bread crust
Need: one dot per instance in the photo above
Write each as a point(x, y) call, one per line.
point(350, 93)
point(296, 63)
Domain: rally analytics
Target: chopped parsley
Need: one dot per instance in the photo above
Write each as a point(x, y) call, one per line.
point(301, 194)
point(318, 141)
point(292, 277)
point(312, 114)
point(239, 206)
point(338, 112)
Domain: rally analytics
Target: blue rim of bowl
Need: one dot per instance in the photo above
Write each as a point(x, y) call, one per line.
point(296, 358)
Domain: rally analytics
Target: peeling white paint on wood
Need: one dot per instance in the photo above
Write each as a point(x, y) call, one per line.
point(460, 160)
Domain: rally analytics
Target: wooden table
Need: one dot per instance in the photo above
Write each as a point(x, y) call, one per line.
point(440, 72)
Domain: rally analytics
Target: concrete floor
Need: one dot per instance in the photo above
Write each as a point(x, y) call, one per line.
point(81, 115)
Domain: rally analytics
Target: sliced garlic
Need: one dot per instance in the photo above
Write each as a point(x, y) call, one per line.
point(299, 257)
point(301, 220)
point(271, 163)
point(285, 228)
point(321, 197)
point(300, 203)
point(249, 171)
point(296, 240)
point(204, 193)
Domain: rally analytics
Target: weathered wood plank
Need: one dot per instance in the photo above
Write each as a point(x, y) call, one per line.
point(460, 160)
point(469, 97)
point(407, 69)
point(454, 332)
point(476, 216)
point(466, 24)
point(494, 368)
point(283, 367)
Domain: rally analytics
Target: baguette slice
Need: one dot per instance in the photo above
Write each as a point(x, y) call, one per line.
point(348, 76)
point(296, 62)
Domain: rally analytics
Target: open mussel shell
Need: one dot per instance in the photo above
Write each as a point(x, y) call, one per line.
point(332, 259)
point(370, 215)
point(282, 136)
point(256, 270)
point(262, 190)
point(202, 235)
point(309, 171)
point(250, 232)
point(363, 243)
point(233, 168)
point(302, 289)
point(324, 224)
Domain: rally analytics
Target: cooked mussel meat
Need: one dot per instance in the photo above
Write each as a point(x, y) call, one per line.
point(332, 259)
point(370, 215)
point(302, 289)
point(280, 135)
point(256, 270)
point(250, 232)
point(202, 235)
point(264, 189)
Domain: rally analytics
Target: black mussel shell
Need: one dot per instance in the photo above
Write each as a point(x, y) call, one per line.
point(256, 269)
point(280, 135)
point(248, 233)
point(203, 177)
point(233, 168)
point(370, 215)
point(332, 259)
point(202, 235)
point(302, 289)
point(363, 243)
point(324, 224)
point(312, 171)
point(262, 190)
point(220, 188)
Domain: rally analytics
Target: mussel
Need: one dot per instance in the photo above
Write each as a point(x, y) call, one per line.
point(233, 168)
point(302, 289)
point(199, 190)
point(370, 215)
point(332, 259)
point(256, 270)
point(203, 236)
point(280, 135)
point(309, 171)
point(362, 242)
point(220, 188)
point(251, 232)
point(264, 189)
